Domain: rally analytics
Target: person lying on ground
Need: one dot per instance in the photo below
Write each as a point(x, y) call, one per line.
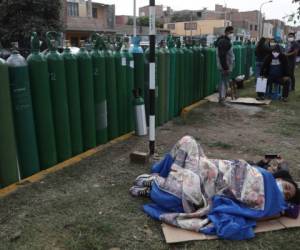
point(276, 69)
point(189, 190)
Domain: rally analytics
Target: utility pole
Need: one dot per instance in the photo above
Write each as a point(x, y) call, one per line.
point(134, 18)
point(152, 38)
point(260, 19)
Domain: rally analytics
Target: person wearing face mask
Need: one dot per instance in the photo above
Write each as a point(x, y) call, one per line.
point(276, 69)
point(262, 50)
point(292, 52)
point(225, 60)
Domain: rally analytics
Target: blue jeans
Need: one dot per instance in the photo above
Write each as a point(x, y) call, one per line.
point(223, 86)
point(258, 68)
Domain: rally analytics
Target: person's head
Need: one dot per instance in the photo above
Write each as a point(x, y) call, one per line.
point(291, 37)
point(276, 50)
point(229, 31)
point(261, 42)
point(287, 186)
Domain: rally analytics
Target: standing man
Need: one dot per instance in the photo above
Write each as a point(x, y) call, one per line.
point(291, 53)
point(225, 60)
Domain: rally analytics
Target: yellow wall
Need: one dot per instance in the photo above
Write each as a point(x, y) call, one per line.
point(204, 27)
point(82, 9)
point(101, 15)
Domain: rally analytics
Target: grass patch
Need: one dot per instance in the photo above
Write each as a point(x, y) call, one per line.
point(220, 144)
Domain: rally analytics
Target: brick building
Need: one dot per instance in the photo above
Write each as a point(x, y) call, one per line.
point(83, 17)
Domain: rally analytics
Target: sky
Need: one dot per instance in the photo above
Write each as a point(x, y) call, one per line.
point(277, 9)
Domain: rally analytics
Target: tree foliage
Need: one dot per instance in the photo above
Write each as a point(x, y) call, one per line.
point(18, 18)
point(144, 21)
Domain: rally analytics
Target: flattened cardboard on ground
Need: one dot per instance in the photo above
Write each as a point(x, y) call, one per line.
point(176, 235)
point(241, 100)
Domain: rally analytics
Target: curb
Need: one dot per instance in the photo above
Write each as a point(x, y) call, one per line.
point(185, 111)
point(42, 174)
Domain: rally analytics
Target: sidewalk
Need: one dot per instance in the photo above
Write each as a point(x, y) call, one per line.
point(87, 206)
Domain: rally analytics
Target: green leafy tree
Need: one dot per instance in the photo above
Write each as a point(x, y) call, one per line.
point(18, 18)
point(143, 21)
point(130, 21)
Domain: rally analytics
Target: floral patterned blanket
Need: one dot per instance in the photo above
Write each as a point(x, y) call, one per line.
point(195, 180)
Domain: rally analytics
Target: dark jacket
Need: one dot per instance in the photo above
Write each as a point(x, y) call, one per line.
point(265, 69)
point(223, 45)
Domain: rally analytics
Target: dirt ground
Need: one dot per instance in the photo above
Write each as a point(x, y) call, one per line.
point(87, 206)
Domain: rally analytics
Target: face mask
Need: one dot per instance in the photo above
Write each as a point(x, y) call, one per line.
point(291, 39)
point(279, 185)
point(275, 54)
point(231, 36)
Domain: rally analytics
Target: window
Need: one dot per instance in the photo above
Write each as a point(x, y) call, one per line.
point(171, 26)
point(251, 27)
point(73, 9)
point(190, 26)
point(255, 27)
point(95, 14)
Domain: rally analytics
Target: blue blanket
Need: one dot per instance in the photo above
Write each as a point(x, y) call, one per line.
point(230, 219)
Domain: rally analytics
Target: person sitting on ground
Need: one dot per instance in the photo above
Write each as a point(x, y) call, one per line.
point(189, 190)
point(275, 68)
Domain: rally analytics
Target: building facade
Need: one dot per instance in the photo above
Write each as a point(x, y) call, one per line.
point(268, 30)
point(82, 18)
point(195, 28)
point(278, 28)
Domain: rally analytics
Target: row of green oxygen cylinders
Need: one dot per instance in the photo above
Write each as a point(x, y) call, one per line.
point(54, 106)
point(64, 104)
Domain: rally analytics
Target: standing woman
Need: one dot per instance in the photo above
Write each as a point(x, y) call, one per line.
point(262, 50)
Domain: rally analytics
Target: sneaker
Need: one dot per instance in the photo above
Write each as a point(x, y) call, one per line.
point(136, 191)
point(284, 99)
point(144, 180)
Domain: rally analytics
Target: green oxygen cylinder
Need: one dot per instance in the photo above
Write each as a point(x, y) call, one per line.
point(186, 82)
point(99, 74)
point(139, 70)
point(59, 98)
point(202, 73)
point(86, 86)
point(130, 78)
point(9, 169)
point(197, 70)
point(111, 92)
point(181, 79)
point(121, 65)
point(73, 91)
point(161, 66)
point(23, 114)
point(41, 101)
point(166, 95)
point(172, 77)
point(190, 69)
point(207, 70)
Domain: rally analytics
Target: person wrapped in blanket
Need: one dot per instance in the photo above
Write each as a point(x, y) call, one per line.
point(212, 196)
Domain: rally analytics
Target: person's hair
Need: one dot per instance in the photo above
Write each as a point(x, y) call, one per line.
point(285, 175)
point(229, 29)
point(276, 48)
point(260, 44)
